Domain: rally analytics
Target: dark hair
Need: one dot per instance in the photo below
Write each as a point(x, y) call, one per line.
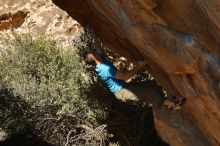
point(89, 57)
point(92, 55)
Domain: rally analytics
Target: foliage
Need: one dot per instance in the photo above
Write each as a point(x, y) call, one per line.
point(48, 82)
point(44, 74)
point(46, 90)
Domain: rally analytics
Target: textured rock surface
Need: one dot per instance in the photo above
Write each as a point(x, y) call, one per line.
point(179, 38)
point(36, 17)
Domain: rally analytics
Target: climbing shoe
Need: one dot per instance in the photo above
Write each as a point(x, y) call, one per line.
point(180, 101)
point(174, 103)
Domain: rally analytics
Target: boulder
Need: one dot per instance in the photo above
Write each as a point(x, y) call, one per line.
point(179, 39)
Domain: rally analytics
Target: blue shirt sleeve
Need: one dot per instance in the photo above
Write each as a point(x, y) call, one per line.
point(112, 71)
point(107, 72)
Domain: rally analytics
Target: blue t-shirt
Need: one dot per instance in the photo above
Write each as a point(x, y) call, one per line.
point(107, 71)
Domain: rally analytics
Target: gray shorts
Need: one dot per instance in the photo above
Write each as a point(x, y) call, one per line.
point(141, 92)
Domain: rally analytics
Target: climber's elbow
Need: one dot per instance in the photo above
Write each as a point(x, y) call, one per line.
point(122, 76)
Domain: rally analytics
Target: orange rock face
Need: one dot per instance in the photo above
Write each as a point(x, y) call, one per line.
point(179, 39)
point(8, 21)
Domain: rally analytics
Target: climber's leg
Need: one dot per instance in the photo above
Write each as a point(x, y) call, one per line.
point(126, 95)
point(149, 94)
point(138, 92)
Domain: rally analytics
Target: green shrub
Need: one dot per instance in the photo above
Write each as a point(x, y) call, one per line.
point(45, 74)
point(46, 91)
point(44, 86)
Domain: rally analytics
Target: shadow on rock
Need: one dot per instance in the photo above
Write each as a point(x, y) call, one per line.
point(133, 124)
point(129, 123)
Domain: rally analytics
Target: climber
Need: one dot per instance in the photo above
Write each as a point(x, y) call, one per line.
point(117, 81)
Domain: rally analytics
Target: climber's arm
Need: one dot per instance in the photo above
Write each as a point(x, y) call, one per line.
point(98, 44)
point(127, 75)
point(96, 40)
